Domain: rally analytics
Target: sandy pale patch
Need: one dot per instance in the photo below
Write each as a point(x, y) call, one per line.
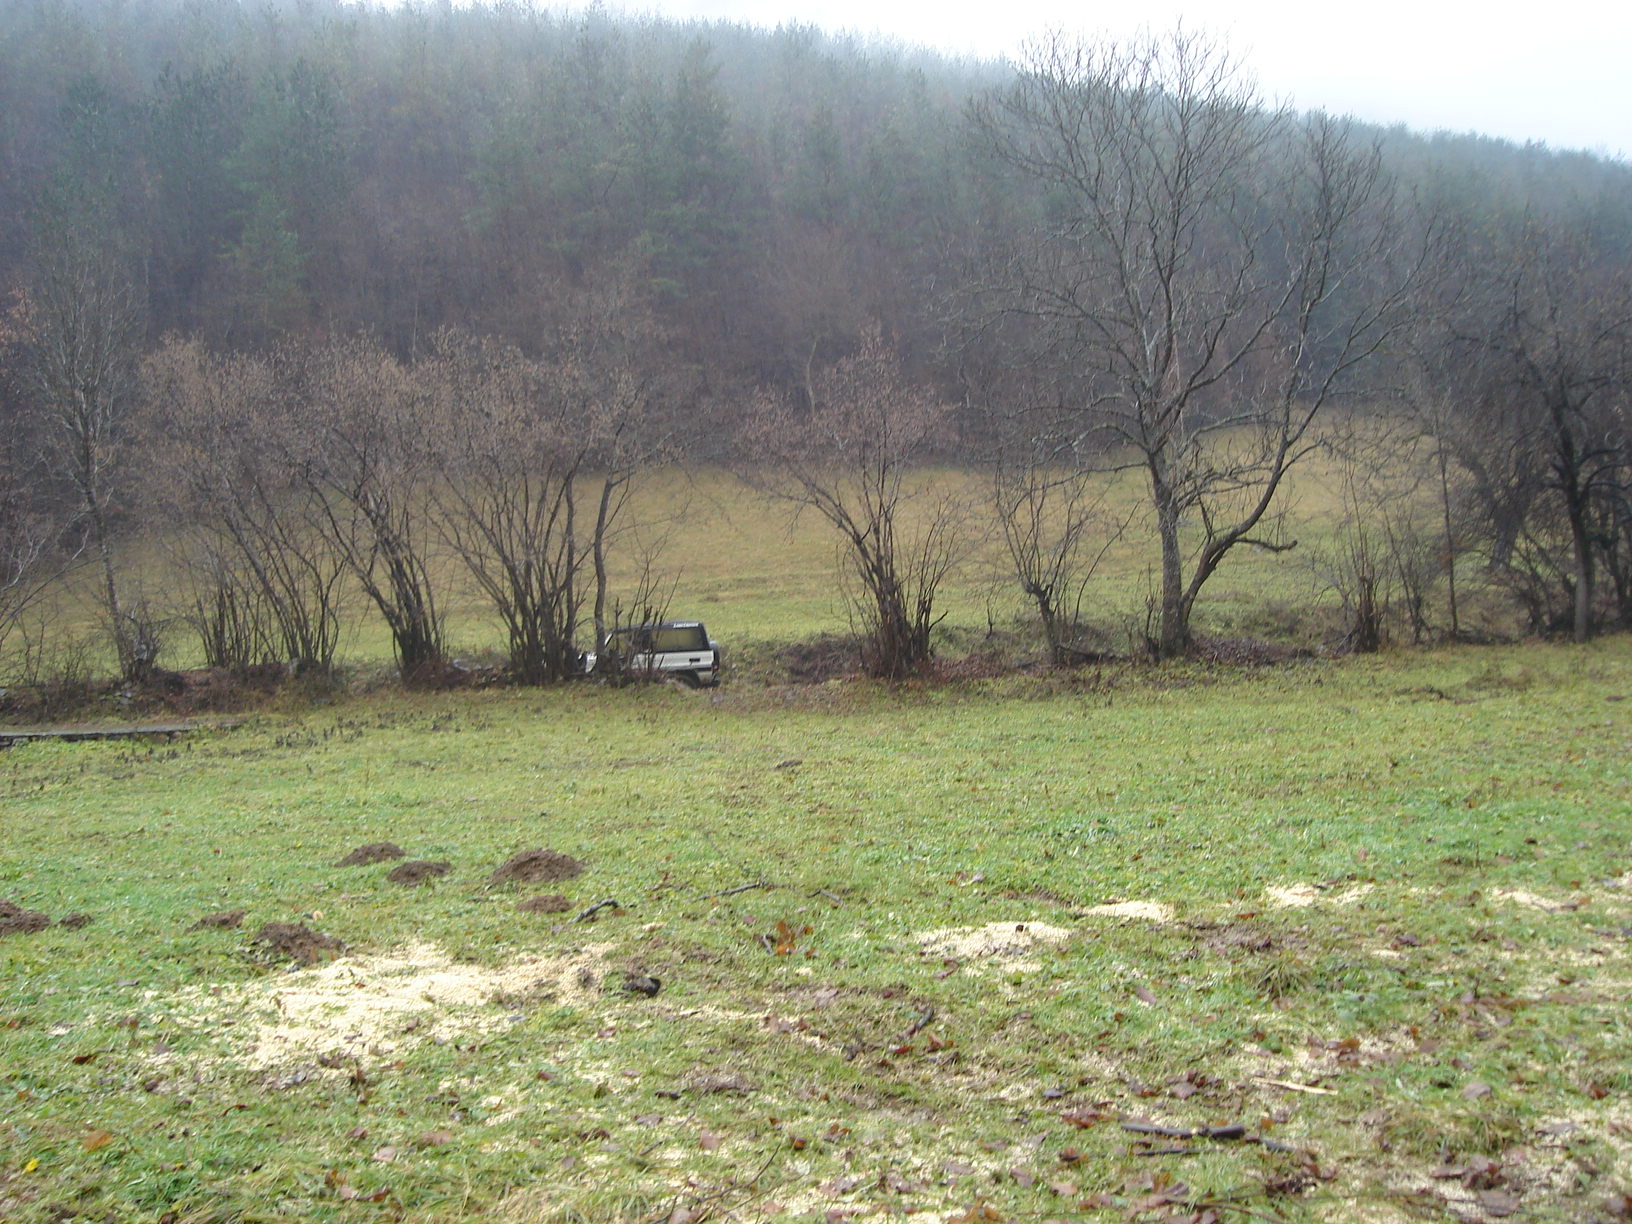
point(1530, 900)
point(367, 1007)
point(995, 940)
point(1299, 896)
point(1151, 911)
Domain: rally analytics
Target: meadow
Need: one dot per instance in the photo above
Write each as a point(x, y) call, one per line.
point(1332, 939)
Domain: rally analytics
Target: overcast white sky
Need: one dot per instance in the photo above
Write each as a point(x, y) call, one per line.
point(1558, 72)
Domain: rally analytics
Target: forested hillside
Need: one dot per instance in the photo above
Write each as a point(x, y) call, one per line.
point(329, 291)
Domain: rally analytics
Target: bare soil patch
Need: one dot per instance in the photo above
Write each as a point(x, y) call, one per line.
point(820, 659)
point(221, 920)
point(1235, 938)
point(298, 942)
point(15, 920)
point(417, 871)
point(536, 867)
point(373, 852)
point(544, 903)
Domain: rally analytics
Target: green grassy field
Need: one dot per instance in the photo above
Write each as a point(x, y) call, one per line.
point(925, 950)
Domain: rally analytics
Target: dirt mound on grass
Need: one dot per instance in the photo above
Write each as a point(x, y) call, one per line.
point(15, 920)
point(537, 867)
point(821, 658)
point(545, 903)
point(374, 852)
point(417, 871)
point(298, 942)
point(221, 920)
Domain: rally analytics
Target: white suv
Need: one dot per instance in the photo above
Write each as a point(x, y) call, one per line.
point(681, 650)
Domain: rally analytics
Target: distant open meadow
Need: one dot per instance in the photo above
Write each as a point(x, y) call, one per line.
point(1320, 939)
point(765, 576)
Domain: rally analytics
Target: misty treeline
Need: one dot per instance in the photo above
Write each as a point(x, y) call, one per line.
point(320, 310)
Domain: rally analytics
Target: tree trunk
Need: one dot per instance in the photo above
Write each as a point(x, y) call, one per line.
point(1582, 545)
point(603, 516)
point(1173, 637)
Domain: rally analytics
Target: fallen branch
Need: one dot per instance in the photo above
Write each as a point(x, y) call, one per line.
point(919, 1024)
point(1236, 1131)
point(609, 903)
point(1139, 1127)
point(1138, 1148)
point(731, 892)
point(822, 892)
point(1291, 1087)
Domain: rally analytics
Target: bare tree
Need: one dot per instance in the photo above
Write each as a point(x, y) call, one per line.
point(852, 457)
point(511, 453)
point(1562, 331)
point(1386, 555)
point(30, 525)
point(31, 557)
point(1209, 276)
point(623, 386)
point(83, 323)
point(360, 449)
point(266, 584)
point(1057, 526)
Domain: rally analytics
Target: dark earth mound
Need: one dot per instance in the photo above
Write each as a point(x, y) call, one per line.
point(537, 867)
point(296, 941)
point(221, 920)
point(545, 903)
point(822, 658)
point(15, 920)
point(74, 921)
point(374, 852)
point(418, 871)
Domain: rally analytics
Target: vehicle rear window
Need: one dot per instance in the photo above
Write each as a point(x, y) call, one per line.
point(687, 637)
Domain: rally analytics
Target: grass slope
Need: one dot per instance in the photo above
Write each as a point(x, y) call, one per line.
point(919, 951)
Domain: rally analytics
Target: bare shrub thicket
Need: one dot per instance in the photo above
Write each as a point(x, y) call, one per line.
point(510, 456)
point(1536, 356)
point(1057, 525)
point(360, 423)
point(1387, 562)
point(854, 456)
point(78, 356)
point(261, 582)
point(33, 548)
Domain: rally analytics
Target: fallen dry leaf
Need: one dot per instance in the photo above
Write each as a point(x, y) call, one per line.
point(96, 1141)
point(981, 1212)
point(1498, 1203)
